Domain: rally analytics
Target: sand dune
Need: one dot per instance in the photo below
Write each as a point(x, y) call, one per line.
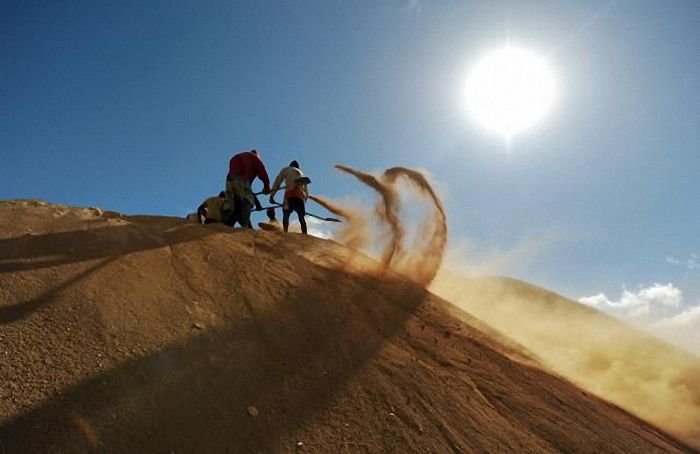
point(152, 334)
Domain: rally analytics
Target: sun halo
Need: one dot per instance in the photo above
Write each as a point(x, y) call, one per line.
point(510, 90)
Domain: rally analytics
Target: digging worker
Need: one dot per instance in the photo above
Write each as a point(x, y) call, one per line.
point(243, 169)
point(211, 210)
point(295, 194)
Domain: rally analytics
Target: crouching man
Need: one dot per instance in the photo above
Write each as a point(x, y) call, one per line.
point(212, 209)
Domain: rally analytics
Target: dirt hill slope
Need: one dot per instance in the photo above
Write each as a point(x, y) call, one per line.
point(624, 365)
point(151, 334)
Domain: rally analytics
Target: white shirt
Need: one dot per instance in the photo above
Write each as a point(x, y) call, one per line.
point(289, 175)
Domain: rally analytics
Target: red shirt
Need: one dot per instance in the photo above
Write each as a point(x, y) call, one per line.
point(247, 165)
point(296, 191)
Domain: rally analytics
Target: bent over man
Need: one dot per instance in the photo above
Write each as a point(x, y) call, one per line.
point(243, 169)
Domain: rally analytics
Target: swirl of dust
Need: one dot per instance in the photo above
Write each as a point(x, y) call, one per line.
point(354, 234)
point(388, 212)
point(423, 265)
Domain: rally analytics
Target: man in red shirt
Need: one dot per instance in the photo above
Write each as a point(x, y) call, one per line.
point(243, 169)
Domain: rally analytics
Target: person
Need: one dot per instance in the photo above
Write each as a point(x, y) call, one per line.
point(243, 169)
point(211, 209)
point(295, 194)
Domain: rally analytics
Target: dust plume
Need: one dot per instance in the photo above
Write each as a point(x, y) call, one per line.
point(425, 263)
point(611, 359)
point(419, 262)
point(388, 211)
point(354, 232)
point(602, 355)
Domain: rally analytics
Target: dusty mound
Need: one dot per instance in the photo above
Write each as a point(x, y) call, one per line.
point(152, 334)
point(626, 366)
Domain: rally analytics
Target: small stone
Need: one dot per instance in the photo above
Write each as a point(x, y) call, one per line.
point(198, 325)
point(252, 411)
point(299, 444)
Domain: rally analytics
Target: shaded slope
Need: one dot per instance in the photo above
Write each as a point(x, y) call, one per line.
point(147, 334)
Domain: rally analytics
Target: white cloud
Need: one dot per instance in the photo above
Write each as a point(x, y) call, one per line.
point(315, 227)
point(667, 295)
point(643, 302)
point(691, 263)
point(688, 317)
point(658, 309)
point(682, 329)
point(318, 228)
point(596, 300)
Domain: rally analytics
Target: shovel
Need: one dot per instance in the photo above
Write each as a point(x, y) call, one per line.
point(322, 218)
point(279, 205)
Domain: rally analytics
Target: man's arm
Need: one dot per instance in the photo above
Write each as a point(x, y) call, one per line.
point(261, 173)
point(276, 185)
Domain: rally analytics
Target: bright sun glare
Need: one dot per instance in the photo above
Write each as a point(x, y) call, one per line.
point(510, 90)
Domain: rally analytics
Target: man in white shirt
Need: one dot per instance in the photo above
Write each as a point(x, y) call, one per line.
point(295, 194)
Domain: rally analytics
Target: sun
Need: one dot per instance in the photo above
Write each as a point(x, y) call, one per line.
point(510, 90)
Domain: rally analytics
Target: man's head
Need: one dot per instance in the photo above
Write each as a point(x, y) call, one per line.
point(294, 164)
point(222, 195)
point(255, 152)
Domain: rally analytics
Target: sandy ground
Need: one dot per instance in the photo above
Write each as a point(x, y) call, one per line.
point(153, 334)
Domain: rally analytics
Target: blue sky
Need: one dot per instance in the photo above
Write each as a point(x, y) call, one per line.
point(137, 107)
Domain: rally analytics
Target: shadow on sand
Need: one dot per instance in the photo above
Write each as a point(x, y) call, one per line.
point(289, 361)
point(31, 252)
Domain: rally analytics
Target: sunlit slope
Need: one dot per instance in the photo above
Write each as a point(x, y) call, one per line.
point(151, 334)
point(616, 361)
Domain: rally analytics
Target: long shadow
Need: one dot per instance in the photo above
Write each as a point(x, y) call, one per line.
point(29, 253)
point(289, 360)
point(10, 314)
point(41, 251)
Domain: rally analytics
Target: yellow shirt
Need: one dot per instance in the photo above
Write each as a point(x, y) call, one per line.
point(213, 206)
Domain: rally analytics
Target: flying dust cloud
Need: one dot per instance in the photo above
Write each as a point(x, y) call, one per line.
point(423, 263)
point(599, 353)
point(419, 263)
point(387, 211)
point(355, 231)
